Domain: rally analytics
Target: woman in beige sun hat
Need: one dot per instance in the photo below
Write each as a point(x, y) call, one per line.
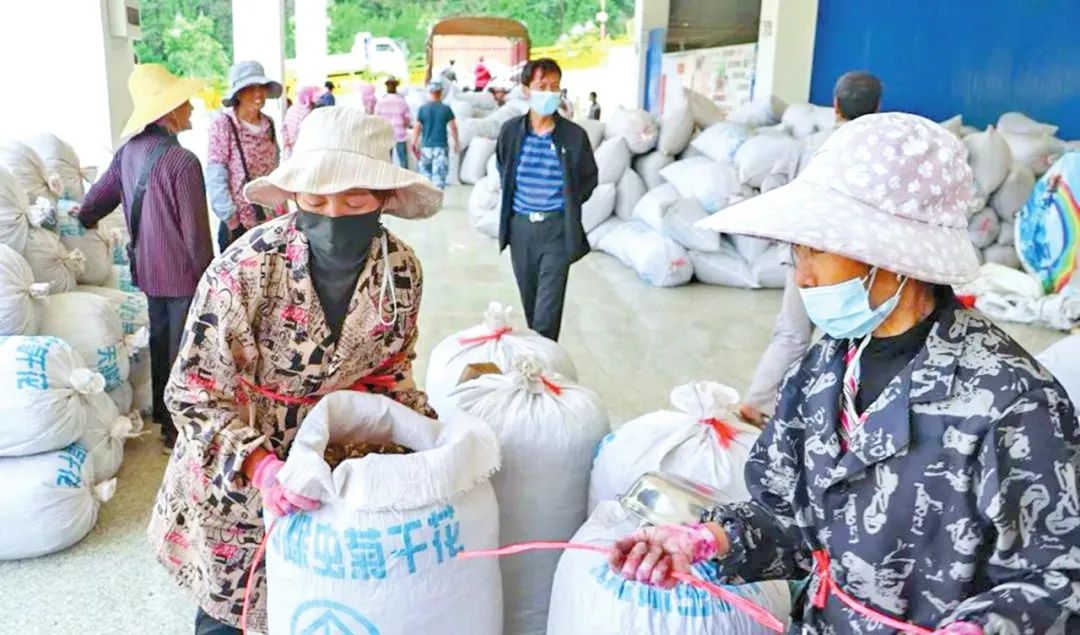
point(921, 466)
point(318, 300)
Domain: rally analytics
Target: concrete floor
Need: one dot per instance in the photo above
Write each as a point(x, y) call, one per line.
point(631, 343)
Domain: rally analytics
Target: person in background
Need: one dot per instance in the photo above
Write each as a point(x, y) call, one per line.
point(433, 134)
point(449, 74)
point(327, 98)
point(243, 147)
point(856, 94)
point(166, 217)
point(566, 107)
point(305, 103)
point(483, 75)
point(393, 108)
point(319, 300)
point(920, 460)
point(499, 92)
point(547, 169)
point(594, 107)
point(367, 96)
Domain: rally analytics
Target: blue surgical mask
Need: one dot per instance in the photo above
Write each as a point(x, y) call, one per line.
point(544, 102)
point(843, 310)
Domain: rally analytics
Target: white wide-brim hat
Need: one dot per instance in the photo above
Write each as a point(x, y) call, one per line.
point(892, 190)
point(341, 148)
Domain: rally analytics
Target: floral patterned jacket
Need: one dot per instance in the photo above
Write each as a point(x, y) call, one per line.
point(957, 500)
point(256, 321)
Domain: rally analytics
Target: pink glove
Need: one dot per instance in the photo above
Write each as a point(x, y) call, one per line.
point(652, 554)
point(280, 501)
point(960, 628)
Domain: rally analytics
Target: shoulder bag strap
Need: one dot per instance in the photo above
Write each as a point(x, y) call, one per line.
point(259, 214)
point(135, 212)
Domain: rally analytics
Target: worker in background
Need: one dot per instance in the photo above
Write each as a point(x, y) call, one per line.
point(922, 466)
point(499, 92)
point(433, 134)
point(393, 108)
point(319, 300)
point(327, 98)
point(294, 116)
point(547, 169)
point(449, 74)
point(483, 75)
point(242, 147)
point(856, 94)
point(160, 185)
point(594, 107)
point(566, 107)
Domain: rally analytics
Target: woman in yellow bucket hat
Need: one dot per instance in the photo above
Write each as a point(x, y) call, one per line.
point(160, 185)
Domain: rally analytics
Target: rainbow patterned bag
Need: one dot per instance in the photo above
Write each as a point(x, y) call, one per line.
point(1048, 226)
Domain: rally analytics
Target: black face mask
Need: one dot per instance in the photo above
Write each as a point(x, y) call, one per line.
point(338, 246)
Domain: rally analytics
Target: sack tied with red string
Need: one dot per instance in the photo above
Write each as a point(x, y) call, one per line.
point(701, 439)
point(495, 341)
point(379, 555)
point(547, 427)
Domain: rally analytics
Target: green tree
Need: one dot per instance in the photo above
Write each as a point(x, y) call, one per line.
point(191, 49)
point(160, 15)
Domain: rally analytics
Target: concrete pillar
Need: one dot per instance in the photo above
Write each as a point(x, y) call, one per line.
point(648, 15)
point(259, 34)
point(785, 54)
point(312, 25)
point(66, 74)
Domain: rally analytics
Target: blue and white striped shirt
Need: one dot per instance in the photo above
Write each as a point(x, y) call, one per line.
point(539, 178)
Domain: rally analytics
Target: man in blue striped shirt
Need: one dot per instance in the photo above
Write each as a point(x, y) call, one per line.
point(547, 171)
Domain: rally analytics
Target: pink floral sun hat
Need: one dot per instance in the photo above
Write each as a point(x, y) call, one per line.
point(892, 190)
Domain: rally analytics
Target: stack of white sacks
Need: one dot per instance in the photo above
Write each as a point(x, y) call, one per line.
point(67, 349)
point(554, 438)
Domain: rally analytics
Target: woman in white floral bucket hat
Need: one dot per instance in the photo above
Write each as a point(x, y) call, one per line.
point(318, 300)
point(921, 470)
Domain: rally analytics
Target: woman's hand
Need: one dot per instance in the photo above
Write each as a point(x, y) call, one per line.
point(751, 415)
point(280, 501)
point(652, 554)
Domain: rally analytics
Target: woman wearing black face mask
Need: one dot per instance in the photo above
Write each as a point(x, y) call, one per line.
point(319, 300)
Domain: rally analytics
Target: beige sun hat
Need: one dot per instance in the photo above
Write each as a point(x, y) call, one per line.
point(341, 148)
point(156, 92)
point(892, 190)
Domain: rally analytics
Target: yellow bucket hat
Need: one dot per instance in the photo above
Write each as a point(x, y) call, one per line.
point(156, 92)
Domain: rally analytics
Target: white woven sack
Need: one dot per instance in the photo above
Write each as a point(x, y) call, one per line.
point(657, 259)
point(983, 228)
point(132, 308)
point(470, 129)
point(1004, 255)
point(90, 324)
point(463, 110)
point(749, 247)
point(594, 129)
point(704, 110)
point(801, 120)
point(597, 235)
point(676, 128)
point(144, 398)
point(47, 395)
point(712, 183)
point(652, 207)
point(91, 243)
point(1019, 123)
point(628, 191)
point(106, 434)
point(1062, 359)
point(771, 269)
point(14, 212)
point(54, 504)
point(120, 278)
point(547, 428)
point(492, 168)
point(28, 168)
point(380, 552)
point(648, 167)
point(1032, 150)
point(60, 158)
point(640, 129)
point(599, 207)
point(588, 598)
point(453, 175)
point(1013, 192)
point(824, 118)
point(20, 297)
point(52, 262)
point(495, 341)
point(725, 267)
point(484, 206)
point(612, 159)
point(720, 142)
point(482, 100)
point(680, 225)
point(953, 124)
point(701, 439)
point(474, 165)
point(1007, 235)
point(763, 111)
point(990, 159)
point(757, 157)
point(123, 396)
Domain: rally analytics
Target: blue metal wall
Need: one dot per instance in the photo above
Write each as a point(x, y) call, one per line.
point(939, 58)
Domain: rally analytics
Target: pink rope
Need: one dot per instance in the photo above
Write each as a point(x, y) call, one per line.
point(480, 339)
